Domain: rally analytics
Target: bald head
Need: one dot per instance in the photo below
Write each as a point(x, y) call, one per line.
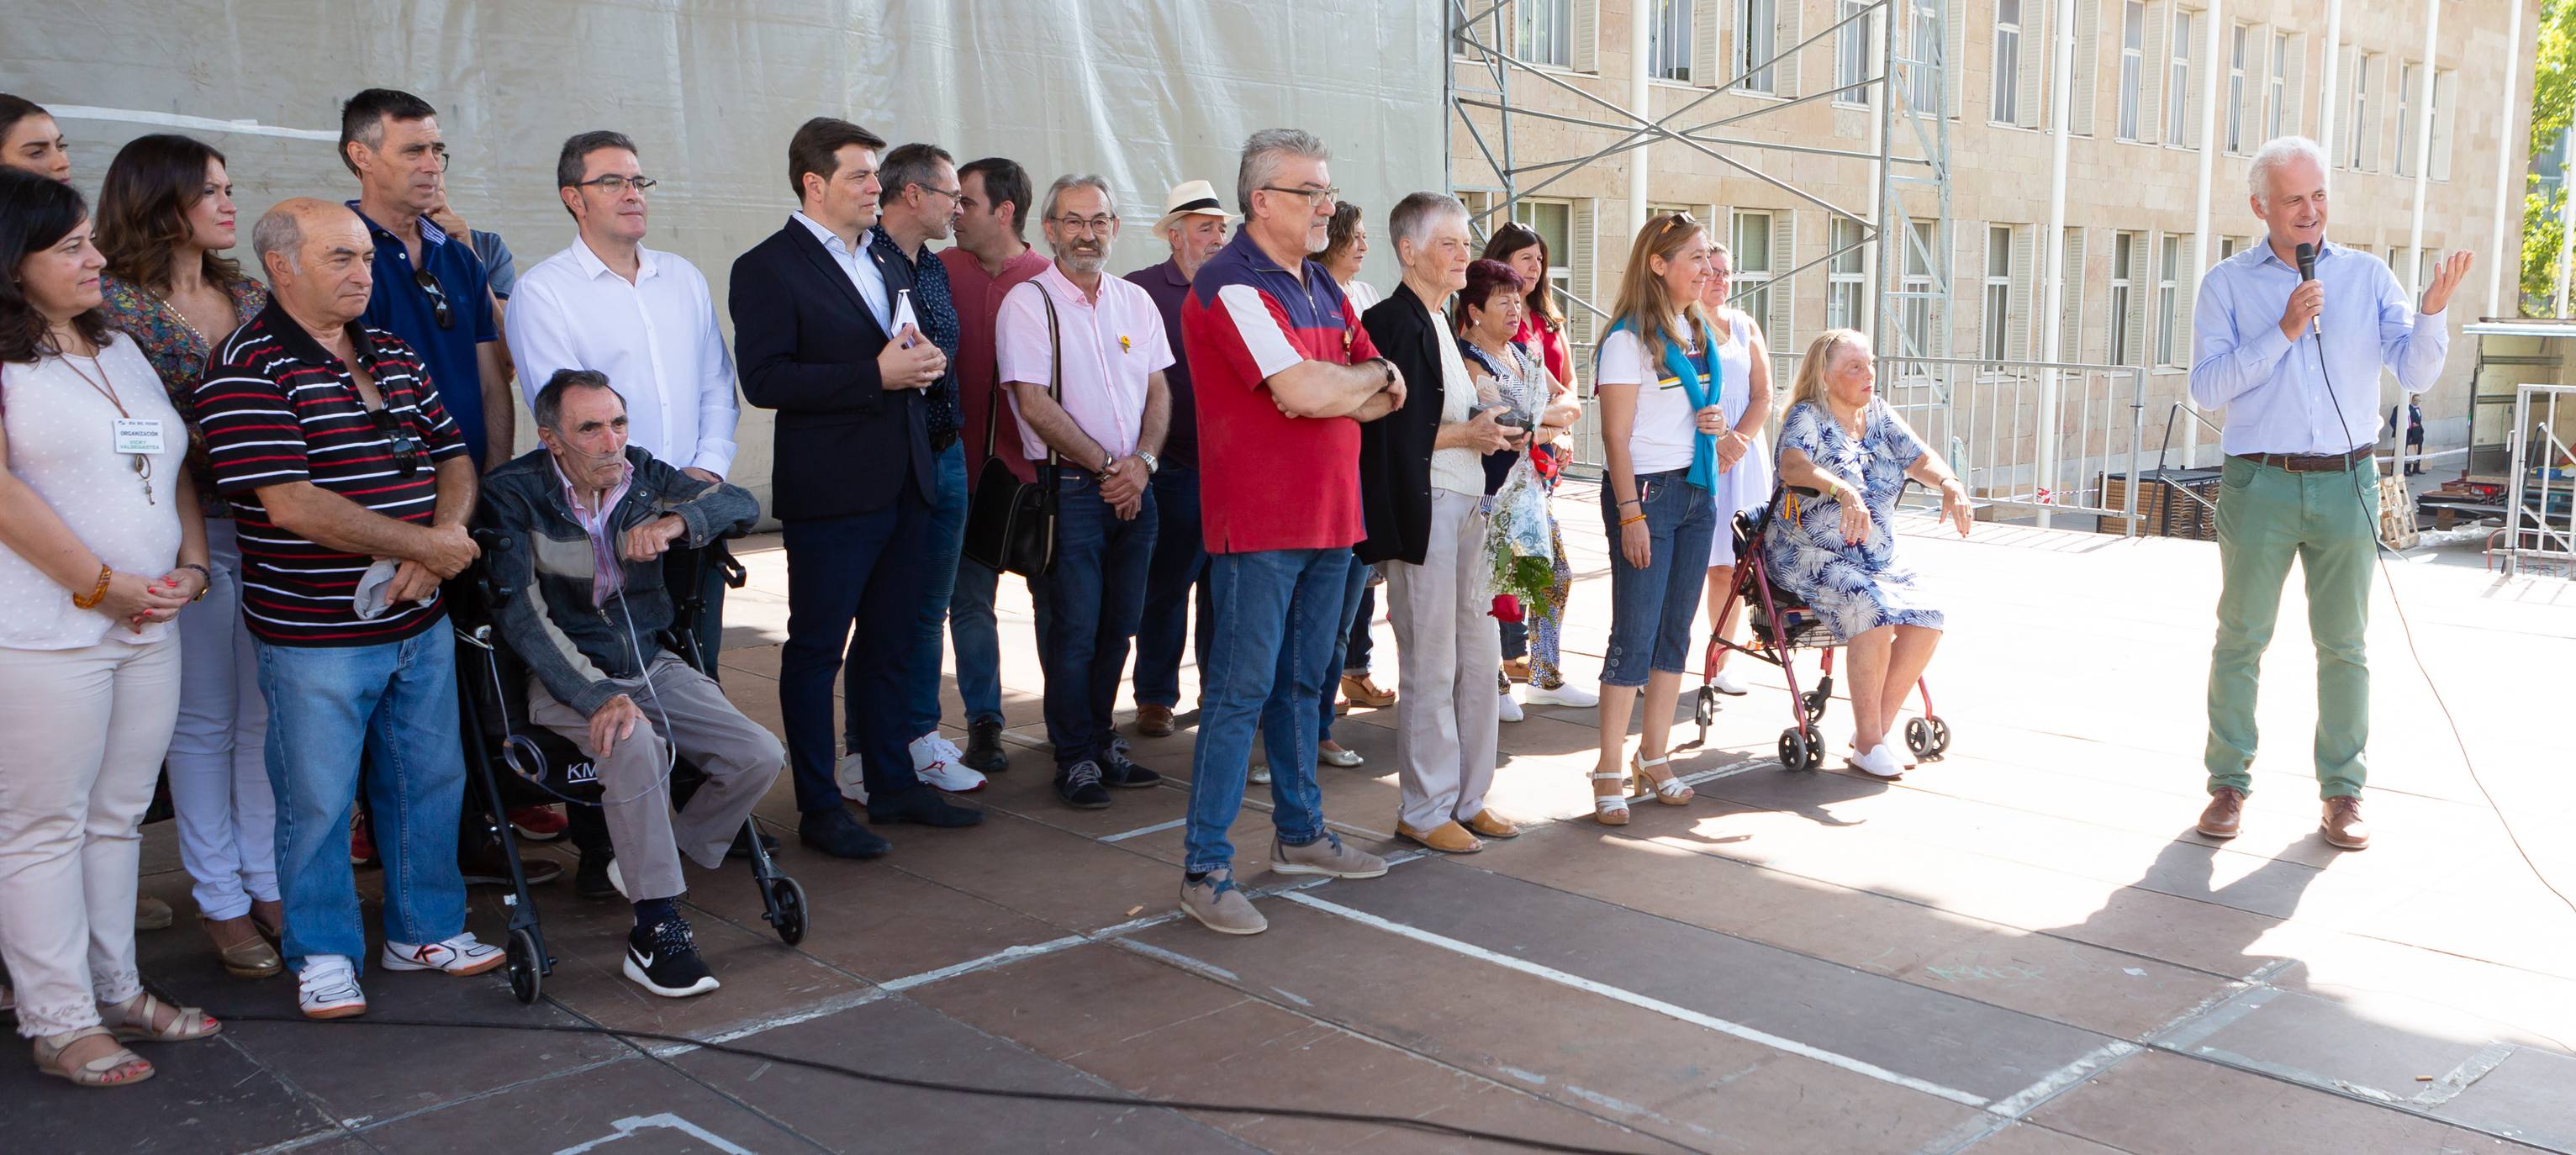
point(319, 260)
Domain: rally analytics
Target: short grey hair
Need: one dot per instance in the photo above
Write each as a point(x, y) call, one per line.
point(1074, 180)
point(547, 408)
point(2278, 151)
point(278, 232)
point(1411, 218)
point(912, 164)
point(1261, 156)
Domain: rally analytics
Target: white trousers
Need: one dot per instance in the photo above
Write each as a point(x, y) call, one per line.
point(1447, 653)
point(227, 815)
point(86, 730)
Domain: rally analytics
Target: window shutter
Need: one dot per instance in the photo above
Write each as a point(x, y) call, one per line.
point(2186, 287)
point(1784, 75)
point(2151, 78)
point(1587, 35)
point(1780, 325)
point(2038, 51)
point(2025, 298)
point(1579, 260)
point(1706, 60)
point(2444, 91)
point(2295, 92)
point(2142, 288)
point(2188, 132)
point(2087, 71)
point(1966, 314)
point(2070, 301)
point(1954, 53)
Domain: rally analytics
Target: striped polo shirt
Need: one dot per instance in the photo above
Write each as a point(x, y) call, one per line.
point(277, 409)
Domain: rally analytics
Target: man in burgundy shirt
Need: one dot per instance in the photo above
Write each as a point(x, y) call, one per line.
point(1283, 375)
point(989, 257)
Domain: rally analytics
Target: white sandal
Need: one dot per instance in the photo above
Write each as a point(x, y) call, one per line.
point(1610, 809)
point(1669, 790)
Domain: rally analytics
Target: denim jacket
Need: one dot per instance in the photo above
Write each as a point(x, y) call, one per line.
point(542, 571)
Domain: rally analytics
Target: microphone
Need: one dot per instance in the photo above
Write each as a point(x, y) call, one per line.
point(2307, 255)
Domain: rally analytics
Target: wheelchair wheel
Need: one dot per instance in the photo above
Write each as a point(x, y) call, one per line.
point(526, 966)
point(1940, 736)
point(1796, 753)
point(788, 900)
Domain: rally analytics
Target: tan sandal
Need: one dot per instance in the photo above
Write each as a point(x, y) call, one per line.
point(1668, 790)
point(1610, 809)
point(131, 1021)
point(99, 1072)
point(239, 945)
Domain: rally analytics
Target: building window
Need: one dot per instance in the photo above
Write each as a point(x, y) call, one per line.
point(2007, 96)
point(2124, 271)
point(1668, 41)
point(1843, 284)
point(2277, 89)
point(2133, 64)
point(1918, 281)
point(2228, 246)
point(1851, 52)
point(1925, 45)
point(2179, 128)
point(2168, 301)
point(1998, 318)
point(1757, 34)
point(2359, 154)
point(1751, 246)
point(2237, 47)
point(1553, 221)
point(1543, 31)
point(2409, 105)
point(2444, 82)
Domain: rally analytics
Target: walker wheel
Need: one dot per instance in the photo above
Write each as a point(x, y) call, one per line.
point(1704, 711)
point(1940, 736)
point(1813, 702)
point(787, 900)
point(1796, 753)
point(526, 967)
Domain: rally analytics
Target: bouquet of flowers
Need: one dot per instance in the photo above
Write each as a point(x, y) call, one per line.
point(1517, 541)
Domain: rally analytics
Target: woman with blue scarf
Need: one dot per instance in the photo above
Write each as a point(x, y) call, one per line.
point(1659, 389)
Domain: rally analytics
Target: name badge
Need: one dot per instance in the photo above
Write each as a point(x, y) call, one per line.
point(139, 435)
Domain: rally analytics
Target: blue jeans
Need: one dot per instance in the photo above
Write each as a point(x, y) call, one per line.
point(939, 562)
point(391, 707)
point(1094, 596)
point(1283, 613)
point(1651, 609)
point(862, 570)
point(1180, 563)
point(1347, 652)
point(977, 635)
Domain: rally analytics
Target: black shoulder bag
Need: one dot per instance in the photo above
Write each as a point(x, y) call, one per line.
point(1010, 524)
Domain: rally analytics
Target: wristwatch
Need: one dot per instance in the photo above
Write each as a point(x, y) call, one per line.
point(1387, 367)
point(1152, 465)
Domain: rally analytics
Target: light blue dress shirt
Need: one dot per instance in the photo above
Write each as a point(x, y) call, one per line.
point(860, 265)
point(2276, 394)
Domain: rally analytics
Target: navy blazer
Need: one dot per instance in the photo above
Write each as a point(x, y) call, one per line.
point(806, 346)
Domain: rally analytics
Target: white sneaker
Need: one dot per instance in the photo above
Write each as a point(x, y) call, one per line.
point(1260, 769)
point(1725, 682)
point(460, 956)
point(850, 775)
point(327, 988)
point(940, 770)
point(1878, 763)
point(947, 750)
point(1563, 694)
point(1511, 710)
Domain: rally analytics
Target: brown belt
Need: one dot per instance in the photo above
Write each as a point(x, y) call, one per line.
point(2308, 462)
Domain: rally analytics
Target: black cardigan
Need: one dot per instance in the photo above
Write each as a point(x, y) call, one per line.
point(1395, 450)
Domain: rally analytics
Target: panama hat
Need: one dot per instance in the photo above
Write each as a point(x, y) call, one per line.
point(1192, 198)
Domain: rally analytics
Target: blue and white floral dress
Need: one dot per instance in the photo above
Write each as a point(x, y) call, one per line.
point(1853, 588)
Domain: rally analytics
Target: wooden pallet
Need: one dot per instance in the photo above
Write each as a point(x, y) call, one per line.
point(2397, 515)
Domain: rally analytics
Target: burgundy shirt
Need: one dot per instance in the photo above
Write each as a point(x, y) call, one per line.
point(979, 299)
point(1165, 284)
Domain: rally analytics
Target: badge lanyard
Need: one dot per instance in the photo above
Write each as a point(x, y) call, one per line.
point(126, 425)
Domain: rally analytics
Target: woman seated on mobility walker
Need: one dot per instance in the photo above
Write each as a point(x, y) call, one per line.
point(1845, 456)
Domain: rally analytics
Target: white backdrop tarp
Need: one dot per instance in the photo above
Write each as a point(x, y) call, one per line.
point(1144, 92)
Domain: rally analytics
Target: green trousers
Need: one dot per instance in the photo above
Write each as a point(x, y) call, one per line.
point(2329, 521)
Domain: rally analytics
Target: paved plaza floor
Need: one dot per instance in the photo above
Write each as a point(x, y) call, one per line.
point(2020, 949)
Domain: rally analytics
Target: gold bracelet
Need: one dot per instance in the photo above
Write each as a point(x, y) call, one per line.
point(97, 595)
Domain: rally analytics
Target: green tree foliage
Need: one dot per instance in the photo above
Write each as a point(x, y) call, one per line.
point(2553, 102)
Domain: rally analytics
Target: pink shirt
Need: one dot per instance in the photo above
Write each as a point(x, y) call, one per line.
point(608, 573)
point(1111, 348)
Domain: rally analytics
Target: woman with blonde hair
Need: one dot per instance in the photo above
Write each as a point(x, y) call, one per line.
point(1846, 456)
point(1657, 378)
point(1744, 463)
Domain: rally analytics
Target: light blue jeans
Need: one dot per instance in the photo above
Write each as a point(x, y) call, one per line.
point(392, 708)
point(1282, 611)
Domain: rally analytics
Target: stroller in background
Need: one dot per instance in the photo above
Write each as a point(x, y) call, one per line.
point(1781, 624)
point(493, 703)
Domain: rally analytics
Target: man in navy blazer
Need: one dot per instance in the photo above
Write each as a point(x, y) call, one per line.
point(817, 338)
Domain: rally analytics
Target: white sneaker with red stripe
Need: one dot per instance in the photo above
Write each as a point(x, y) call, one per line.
point(461, 955)
point(940, 764)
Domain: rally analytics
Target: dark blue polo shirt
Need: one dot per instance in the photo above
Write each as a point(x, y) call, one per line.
point(399, 304)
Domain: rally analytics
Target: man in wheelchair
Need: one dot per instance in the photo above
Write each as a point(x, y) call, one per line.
point(585, 521)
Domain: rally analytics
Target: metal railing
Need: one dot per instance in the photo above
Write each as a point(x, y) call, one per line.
point(2530, 484)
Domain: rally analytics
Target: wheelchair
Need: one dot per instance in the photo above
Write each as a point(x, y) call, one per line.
point(1780, 624)
point(492, 702)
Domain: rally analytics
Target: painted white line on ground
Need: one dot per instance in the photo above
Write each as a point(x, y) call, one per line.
point(1176, 958)
point(1142, 831)
point(2021, 1102)
point(628, 1126)
point(175, 120)
point(831, 1006)
point(1008, 954)
point(1632, 998)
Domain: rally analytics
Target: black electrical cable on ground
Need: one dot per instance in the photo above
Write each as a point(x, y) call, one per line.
point(1122, 1101)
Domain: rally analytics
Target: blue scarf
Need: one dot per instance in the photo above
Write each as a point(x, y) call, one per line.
point(1702, 394)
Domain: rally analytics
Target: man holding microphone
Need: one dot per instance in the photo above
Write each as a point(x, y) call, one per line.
point(2288, 338)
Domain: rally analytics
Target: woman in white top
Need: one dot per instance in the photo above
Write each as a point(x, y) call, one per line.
point(1659, 387)
point(101, 545)
point(1346, 244)
point(1743, 461)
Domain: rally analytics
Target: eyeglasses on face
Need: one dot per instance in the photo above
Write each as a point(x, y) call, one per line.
point(1317, 197)
point(1082, 226)
point(615, 184)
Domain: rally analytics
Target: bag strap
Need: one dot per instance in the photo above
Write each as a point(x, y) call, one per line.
point(1055, 372)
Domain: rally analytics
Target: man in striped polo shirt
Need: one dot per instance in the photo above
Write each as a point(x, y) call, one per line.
point(352, 487)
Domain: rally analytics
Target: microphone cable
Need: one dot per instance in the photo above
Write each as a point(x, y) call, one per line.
point(2379, 555)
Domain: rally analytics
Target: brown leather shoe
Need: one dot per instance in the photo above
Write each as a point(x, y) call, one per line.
point(1493, 825)
point(2226, 813)
point(1153, 721)
point(1363, 690)
point(1516, 669)
point(2343, 825)
point(1447, 838)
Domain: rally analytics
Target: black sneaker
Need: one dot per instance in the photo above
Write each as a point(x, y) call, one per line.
point(664, 960)
point(984, 748)
point(590, 876)
point(1116, 770)
point(1079, 786)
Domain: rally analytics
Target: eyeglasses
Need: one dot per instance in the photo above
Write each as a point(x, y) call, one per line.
point(955, 196)
point(439, 309)
point(1315, 196)
point(398, 432)
point(615, 184)
point(1083, 226)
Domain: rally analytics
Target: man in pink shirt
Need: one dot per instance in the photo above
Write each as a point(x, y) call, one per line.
point(1084, 353)
point(988, 258)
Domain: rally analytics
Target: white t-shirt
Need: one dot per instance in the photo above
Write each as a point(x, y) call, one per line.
point(1660, 440)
